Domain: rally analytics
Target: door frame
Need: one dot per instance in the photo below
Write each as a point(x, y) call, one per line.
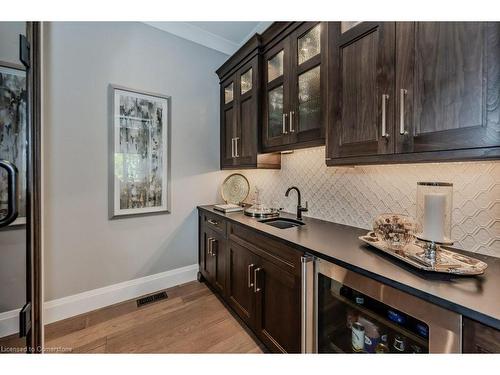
point(34, 338)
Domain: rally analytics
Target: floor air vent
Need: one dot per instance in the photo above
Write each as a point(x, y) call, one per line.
point(151, 298)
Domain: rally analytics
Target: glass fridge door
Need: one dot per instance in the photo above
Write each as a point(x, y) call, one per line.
point(351, 322)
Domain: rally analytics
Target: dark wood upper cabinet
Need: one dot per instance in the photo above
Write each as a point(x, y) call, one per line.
point(228, 122)
point(436, 82)
point(275, 129)
point(448, 86)
point(308, 88)
point(239, 110)
point(294, 87)
point(362, 90)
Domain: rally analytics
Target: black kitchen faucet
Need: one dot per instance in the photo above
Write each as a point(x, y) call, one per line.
point(300, 209)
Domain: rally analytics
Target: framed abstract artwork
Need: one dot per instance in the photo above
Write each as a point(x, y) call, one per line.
point(139, 159)
point(13, 133)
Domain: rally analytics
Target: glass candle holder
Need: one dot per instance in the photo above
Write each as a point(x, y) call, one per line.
point(434, 206)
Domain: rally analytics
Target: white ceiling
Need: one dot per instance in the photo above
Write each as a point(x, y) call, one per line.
point(223, 36)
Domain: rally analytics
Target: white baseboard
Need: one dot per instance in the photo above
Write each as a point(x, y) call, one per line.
point(80, 303)
point(9, 322)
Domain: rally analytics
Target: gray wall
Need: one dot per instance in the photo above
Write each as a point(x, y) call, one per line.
point(12, 241)
point(83, 249)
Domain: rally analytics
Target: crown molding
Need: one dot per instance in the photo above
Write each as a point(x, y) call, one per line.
point(197, 35)
point(259, 28)
point(205, 38)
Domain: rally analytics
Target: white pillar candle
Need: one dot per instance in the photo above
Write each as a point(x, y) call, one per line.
point(434, 216)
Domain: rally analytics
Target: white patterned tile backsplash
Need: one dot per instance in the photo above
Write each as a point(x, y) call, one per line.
point(356, 195)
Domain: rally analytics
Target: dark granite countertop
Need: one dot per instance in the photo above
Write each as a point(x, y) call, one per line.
point(476, 297)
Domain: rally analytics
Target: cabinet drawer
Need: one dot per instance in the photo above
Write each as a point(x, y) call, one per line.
point(272, 250)
point(215, 222)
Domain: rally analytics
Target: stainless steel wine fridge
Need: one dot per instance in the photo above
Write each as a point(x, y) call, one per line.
point(346, 312)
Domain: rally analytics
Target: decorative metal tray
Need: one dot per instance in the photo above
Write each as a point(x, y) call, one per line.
point(270, 212)
point(447, 261)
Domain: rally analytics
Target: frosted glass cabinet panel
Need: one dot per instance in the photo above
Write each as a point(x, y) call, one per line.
point(246, 81)
point(228, 93)
point(275, 66)
point(309, 99)
point(305, 100)
point(275, 119)
point(309, 45)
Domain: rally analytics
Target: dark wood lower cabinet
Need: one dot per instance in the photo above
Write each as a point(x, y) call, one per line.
point(240, 294)
point(266, 296)
point(213, 259)
point(259, 280)
point(478, 338)
point(277, 308)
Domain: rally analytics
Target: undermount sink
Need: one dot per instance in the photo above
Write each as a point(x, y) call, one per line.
point(282, 223)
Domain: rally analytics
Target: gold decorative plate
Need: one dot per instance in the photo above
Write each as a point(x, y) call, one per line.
point(235, 188)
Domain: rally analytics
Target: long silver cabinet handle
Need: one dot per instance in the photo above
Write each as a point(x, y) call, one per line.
point(256, 289)
point(291, 122)
point(249, 275)
point(209, 244)
point(385, 97)
point(236, 155)
point(214, 241)
point(402, 94)
point(213, 222)
point(284, 124)
point(307, 296)
point(232, 147)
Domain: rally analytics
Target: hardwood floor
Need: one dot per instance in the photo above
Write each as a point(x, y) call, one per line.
point(191, 320)
point(12, 344)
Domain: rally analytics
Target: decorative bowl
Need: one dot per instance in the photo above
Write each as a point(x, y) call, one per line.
point(395, 230)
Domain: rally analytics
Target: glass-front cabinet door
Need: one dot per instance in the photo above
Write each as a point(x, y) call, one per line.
point(228, 121)
point(295, 89)
point(276, 129)
point(306, 108)
point(239, 102)
point(245, 136)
